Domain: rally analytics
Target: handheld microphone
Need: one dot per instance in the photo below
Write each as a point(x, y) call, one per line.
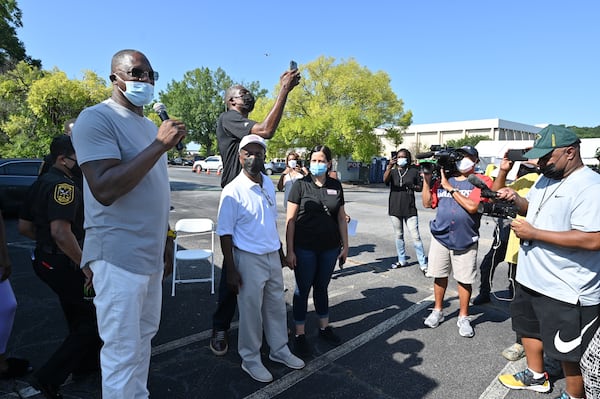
point(161, 110)
point(485, 190)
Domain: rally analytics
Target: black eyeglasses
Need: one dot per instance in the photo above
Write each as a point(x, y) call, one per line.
point(141, 74)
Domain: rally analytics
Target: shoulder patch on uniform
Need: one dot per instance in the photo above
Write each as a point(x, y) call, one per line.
point(64, 193)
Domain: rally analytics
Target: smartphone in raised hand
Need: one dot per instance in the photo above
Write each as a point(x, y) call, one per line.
point(293, 65)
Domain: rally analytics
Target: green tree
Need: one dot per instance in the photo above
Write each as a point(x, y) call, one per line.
point(339, 105)
point(395, 135)
point(469, 140)
point(197, 100)
point(12, 50)
point(586, 132)
point(40, 103)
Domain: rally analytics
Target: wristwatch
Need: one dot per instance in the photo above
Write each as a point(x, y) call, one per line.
point(453, 191)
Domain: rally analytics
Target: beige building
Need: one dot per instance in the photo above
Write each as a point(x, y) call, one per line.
point(419, 137)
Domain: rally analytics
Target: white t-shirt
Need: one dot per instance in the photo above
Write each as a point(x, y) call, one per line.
point(131, 232)
point(566, 274)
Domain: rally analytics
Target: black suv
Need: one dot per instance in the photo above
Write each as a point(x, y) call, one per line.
point(16, 175)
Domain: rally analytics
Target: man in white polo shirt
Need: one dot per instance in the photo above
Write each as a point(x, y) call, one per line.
point(253, 257)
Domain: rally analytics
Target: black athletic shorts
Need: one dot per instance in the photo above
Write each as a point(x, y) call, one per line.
point(564, 329)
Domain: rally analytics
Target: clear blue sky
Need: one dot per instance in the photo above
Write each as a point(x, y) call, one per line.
point(529, 61)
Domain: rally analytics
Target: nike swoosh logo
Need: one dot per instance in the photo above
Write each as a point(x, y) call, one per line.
point(566, 347)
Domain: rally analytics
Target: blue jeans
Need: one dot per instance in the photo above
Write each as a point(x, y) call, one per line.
point(313, 269)
point(412, 224)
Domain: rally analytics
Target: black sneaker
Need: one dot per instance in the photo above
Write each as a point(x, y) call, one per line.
point(328, 335)
point(218, 342)
point(49, 391)
point(301, 347)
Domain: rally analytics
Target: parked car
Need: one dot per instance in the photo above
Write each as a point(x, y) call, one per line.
point(16, 175)
point(176, 161)
point(210, 163)
point(274, 167)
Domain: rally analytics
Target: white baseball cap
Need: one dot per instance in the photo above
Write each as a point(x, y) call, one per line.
point(252, 138)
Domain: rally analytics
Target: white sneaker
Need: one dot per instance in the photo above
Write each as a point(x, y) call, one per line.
point(258, 372)
point(291, 361)
point(464, 327)
point(434, 319)
point(398, 265)
point(514, 352)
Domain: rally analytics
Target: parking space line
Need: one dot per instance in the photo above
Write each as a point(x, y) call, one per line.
point(290, 379)
point(498, 391)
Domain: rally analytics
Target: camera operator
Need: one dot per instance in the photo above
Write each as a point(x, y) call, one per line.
point(557, 298)
point(455, 230)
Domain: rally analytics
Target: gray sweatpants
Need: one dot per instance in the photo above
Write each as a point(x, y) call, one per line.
point(261, 303)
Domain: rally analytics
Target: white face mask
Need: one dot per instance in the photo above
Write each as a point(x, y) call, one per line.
point(402, 161)
point(464, 165)
point(138, 93)
point(292, 163)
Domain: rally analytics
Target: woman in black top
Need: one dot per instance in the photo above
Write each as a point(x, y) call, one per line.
point(317, 236)
point(403, 179)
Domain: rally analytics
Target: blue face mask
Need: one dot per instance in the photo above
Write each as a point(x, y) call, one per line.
point(318, 169)
point(138, 93)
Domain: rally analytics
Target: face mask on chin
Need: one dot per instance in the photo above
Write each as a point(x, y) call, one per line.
point(138, 93)
point(252, 166)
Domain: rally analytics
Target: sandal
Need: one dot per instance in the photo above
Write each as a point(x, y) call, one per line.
point(16, 368)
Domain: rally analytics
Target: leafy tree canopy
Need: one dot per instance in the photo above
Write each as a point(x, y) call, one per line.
point(338, 105)
point(198, 101)
point(40, 104)
point(470, 140)
point(12, 50)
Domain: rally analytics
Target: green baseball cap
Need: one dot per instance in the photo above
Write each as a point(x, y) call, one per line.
point(549, 138)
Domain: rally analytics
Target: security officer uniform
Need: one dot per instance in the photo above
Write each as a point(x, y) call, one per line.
point(55, 196)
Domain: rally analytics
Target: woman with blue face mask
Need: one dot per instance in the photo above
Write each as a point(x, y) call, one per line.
point(404, 179)
point(317, 237)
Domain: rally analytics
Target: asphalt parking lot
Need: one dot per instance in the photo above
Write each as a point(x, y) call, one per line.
point(379, 313)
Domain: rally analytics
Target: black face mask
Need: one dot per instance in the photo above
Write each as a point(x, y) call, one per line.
point(551, 172)
point(249, 101)
point(253, 166)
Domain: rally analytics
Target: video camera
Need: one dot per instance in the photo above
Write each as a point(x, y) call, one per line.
point(496, 208)
point(438, 158)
